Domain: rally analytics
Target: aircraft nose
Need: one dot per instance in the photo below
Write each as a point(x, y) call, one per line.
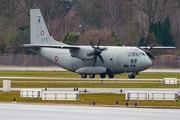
point(148, 63)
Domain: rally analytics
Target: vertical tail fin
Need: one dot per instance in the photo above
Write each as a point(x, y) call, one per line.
point(39, 31)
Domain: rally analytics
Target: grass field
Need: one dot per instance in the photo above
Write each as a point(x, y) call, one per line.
point(86, 84)
point(103, 99)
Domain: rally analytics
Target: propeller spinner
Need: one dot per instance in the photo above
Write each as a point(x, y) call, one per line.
point(97, 52)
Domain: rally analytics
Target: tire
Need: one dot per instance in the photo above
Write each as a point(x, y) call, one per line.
point(91, 75)
point(111, 75)
point(131, 76)
point(83, 75)
point(103, 75)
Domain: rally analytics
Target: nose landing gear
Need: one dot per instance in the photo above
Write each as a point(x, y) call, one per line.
point(131, 75)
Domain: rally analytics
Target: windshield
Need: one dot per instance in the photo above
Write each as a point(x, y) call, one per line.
point(142, 54)
point(136, 54)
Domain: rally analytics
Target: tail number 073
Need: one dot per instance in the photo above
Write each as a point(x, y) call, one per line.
point(44, 40)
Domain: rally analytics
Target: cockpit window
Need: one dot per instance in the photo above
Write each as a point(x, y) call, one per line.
point(136, 54)
point(142, 54)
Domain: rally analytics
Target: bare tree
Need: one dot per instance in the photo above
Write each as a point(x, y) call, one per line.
point(113, 13)
point(151, 11)
point(8, 8)
point(154, 9)
point(130, 35)
point(94, 35)
point(26, 5)
point(90, 14)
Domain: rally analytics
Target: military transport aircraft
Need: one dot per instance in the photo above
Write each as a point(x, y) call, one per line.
point(87, 60)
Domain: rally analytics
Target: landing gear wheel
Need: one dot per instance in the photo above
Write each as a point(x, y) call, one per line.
point(131, 76)
point(91, 75)
point(83, 75)
point(111, 75)
point(102, 75)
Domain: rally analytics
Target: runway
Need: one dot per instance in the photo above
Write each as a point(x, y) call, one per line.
point(11, 111)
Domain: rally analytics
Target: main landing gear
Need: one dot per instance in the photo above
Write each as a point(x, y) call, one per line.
point(110, 75)
point(131, 75)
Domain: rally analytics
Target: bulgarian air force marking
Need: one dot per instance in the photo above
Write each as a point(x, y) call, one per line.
point(56, 58)
point(42, 33)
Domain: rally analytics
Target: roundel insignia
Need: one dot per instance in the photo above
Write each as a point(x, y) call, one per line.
point(42, 32)
point(56, 58)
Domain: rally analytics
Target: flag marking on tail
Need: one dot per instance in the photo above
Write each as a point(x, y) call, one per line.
point(42, 33)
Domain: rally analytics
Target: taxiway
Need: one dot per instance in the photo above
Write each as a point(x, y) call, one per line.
point(54, 68)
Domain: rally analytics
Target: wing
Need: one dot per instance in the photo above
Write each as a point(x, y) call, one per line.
point(157, 47)
point(75, 51)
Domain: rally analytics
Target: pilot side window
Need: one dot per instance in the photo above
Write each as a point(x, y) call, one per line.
point(137, 55)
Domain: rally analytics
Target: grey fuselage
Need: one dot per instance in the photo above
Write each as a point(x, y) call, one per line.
point(116, 59)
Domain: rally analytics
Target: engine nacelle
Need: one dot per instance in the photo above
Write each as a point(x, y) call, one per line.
point(82, 53)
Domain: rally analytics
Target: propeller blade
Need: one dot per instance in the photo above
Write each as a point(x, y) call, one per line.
point(152, 45)
point(102, 49)
point(92, 44)
point(151, 56)
point(95, 58)
point(97, 52)
point(90, 54)
point(101, 58)
point(147, 51)
point(99, 42)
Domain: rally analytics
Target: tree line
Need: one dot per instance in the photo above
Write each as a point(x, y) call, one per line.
point(116, 22)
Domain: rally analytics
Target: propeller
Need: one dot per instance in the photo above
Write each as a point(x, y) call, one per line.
point(147, 51)
point(97, 52)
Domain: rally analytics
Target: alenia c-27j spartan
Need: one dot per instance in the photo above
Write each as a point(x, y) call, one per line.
point(87, 60)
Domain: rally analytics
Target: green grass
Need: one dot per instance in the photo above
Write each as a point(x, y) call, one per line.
point(39, 74)
point(75, 75)
point(84, 84)
point(40, 83)
point(101, 99)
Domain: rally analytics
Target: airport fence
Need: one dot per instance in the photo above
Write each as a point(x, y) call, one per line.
point(24, 60)
point(168, 61)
